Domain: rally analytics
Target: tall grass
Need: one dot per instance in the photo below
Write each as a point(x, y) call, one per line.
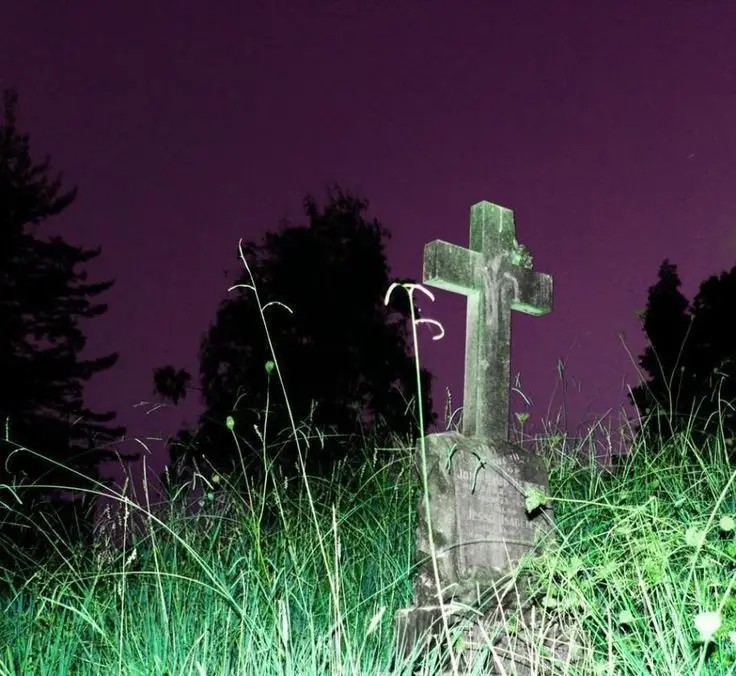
point(303, 576)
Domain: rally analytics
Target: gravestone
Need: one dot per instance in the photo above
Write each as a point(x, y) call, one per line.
point(477, 480)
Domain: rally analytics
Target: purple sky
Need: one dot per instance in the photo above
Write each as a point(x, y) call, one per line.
point(609, 128)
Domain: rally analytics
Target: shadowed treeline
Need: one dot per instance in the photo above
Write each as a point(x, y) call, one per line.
point(690, 360)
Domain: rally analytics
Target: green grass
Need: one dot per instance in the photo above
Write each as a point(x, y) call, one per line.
point(639, 554)
point(305, 578)
point(220, 594)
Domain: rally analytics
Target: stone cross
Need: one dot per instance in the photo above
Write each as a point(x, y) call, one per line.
point(495, 274)
point(476, 526)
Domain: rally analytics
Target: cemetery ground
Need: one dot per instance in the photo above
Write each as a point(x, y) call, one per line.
point(306, 576)
point(307, 581)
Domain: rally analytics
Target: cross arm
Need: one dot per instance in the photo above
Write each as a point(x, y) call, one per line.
point(532, 293)
point(450, 267)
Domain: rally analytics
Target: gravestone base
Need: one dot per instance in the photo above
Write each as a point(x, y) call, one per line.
point(477, 511)
point(480, 531)
point(421, 629)
point(484, 644)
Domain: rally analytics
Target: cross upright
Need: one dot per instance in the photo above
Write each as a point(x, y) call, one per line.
point(495, 274)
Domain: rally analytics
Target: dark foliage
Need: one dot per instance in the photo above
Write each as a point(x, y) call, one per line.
point(42, 298)
point(343, 355)
point(690, 360)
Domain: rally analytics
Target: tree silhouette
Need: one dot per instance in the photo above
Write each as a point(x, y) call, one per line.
point(172, 382)
point(690, 358)
point(342, 353)
point(42, 299)
point(714, 357)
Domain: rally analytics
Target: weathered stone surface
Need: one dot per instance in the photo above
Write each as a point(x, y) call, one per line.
point(495, 274)
point(478, 516)
point(478, 481)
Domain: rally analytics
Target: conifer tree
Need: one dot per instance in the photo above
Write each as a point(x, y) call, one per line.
point(690, 359)
point(43, 297)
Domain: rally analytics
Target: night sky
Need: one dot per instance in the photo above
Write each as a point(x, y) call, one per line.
point(608, 127)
